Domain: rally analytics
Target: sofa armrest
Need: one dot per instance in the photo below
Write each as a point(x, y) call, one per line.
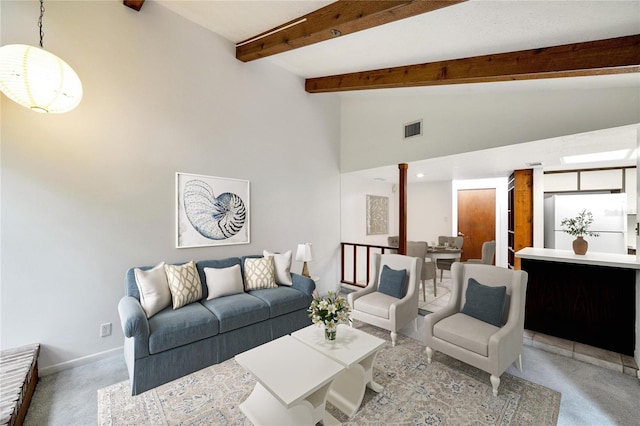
point(302, 283)
point(132, 318)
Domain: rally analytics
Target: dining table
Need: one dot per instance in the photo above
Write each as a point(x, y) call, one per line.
point(442, 252)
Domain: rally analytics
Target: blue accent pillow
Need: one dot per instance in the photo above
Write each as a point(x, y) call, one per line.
point(393, 282)
point(484, 302)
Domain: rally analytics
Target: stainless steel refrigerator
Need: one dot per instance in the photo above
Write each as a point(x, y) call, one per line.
point(609, 220)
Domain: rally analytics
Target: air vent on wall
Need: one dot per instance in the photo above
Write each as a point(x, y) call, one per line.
point(413, 129)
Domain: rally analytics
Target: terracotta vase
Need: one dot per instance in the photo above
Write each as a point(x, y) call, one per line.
point(580, 245)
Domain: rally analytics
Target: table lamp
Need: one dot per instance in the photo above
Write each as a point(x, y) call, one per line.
point(304, 254)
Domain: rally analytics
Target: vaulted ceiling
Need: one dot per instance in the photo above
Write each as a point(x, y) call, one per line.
point(354, 45)
point(350, 46)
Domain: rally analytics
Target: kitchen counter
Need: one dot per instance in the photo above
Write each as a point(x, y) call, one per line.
point(589, 298)
point(591, 258)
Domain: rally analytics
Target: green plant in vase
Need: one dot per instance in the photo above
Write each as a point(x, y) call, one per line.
point(579, 227)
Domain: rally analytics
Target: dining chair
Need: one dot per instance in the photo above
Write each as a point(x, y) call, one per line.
point(419, 249)
point(488, 251)
point(445, 264)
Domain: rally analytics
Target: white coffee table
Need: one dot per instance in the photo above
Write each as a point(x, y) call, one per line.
point(293, 380)
point(356, 351)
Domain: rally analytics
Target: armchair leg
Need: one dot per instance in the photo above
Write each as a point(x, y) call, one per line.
point(519, 363)
point(429, 352)
point(394, 335)
point(495, 382)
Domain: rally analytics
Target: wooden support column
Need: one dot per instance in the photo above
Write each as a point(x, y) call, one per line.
point(402, 202)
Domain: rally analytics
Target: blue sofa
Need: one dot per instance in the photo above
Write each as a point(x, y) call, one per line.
point(174, 343)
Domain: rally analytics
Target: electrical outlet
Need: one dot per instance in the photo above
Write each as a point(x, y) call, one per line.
point(105, 329)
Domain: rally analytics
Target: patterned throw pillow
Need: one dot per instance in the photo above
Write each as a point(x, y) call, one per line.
point(259, 273)
point(184, 283)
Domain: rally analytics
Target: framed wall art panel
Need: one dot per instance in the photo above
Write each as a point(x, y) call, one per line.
point(377, 215)
point(211, 211)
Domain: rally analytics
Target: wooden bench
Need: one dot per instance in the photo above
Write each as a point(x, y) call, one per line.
point(18, 379)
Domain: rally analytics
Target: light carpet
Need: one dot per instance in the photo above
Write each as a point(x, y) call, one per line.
point(446, 392)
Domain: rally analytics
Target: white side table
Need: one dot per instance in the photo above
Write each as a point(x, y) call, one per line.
point(356, 351)
point(292, 383)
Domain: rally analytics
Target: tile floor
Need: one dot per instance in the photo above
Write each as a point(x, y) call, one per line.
point(579, 351)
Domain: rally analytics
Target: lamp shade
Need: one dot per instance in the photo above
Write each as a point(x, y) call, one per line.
point(38, 79)
point(304, 253)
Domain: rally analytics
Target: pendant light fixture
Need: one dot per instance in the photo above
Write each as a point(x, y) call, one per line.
point(37, 79)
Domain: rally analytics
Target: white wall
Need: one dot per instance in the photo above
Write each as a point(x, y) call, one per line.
point(88, 194)
point(473, 119)
point(428, 210)
point(353, 220)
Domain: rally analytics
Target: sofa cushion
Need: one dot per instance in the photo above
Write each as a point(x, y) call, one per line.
point(237, 310)
point(154, 289)
point(375, 303)
point(282, 300)
point(393, 282)
point(259, 273)
point(282, 263)
point(216, 263)
point(184, 283)
point(223, 281)
point(171, 328)
point(485, 303)
point(466, 332)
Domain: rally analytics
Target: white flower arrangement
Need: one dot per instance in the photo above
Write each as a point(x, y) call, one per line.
point(330, 311)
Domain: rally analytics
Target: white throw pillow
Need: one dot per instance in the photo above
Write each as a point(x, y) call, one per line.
point(154, 289)
point(223, 281)
point(283, 266)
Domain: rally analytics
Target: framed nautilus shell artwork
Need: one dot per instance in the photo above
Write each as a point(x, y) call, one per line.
point(211, 211)
point(377, 215)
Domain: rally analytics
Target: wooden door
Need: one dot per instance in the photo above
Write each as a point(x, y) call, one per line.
point(476, 220)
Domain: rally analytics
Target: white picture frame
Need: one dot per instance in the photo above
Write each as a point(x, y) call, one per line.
point(211, 211)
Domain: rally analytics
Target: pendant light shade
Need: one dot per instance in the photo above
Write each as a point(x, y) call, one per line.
point(38, 79)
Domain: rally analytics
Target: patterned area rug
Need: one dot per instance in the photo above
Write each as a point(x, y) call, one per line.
point(446, 392)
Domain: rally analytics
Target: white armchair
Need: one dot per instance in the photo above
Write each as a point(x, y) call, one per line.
point(382, 310)
point(488, 347)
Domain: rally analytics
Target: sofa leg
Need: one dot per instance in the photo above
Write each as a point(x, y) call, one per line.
point(495, 382)
point(394, 335)
point(519, 363)
point(429, 352)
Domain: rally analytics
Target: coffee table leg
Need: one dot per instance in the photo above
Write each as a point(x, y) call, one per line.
point(262, 408)
point(347, 390)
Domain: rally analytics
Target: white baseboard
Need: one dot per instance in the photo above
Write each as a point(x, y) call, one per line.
point(79, 361)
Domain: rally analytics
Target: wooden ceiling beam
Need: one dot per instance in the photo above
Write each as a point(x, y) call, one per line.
point(336, 19)
point(609, 56)
point(134, 4)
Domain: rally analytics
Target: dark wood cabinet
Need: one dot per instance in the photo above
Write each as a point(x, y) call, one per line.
point(520, 214)
point(590, 304)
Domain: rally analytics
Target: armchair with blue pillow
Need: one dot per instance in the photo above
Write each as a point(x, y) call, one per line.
point(390, 300)
point(483, 323)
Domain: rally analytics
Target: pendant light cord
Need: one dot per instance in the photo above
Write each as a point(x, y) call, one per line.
point(40, 21)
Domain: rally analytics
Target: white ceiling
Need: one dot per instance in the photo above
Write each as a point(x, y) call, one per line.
point(473, 28)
